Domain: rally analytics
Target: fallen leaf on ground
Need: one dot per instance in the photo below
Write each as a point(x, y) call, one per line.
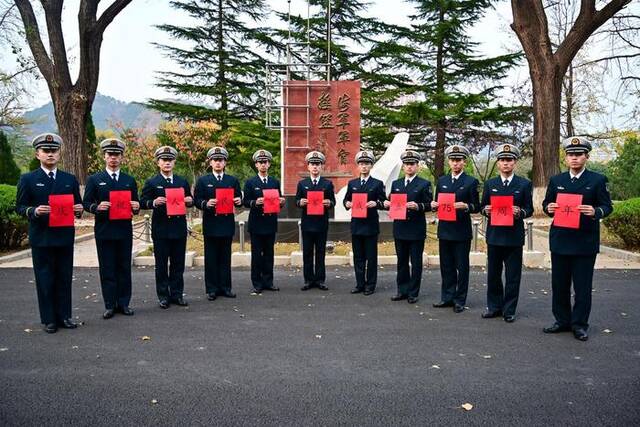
point(154, 401)
point(28, 330)
point(607, 331)
point(486, 356)
point(4, 349)
point(467, 406)
point(146, 338)
point(318, 336)
point(435, 366)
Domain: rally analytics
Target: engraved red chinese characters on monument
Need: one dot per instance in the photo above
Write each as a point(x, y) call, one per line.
point(330, 124)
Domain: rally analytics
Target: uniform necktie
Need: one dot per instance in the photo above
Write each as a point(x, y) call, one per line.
point(362, 183)
point(219, 177)
point(52, 176)
point(574, 179)
point(315, 182)
point(264, 180)
point(453, 181)
point(114, 177)
point(168, 180)
point(505, 183)
point(407, 182)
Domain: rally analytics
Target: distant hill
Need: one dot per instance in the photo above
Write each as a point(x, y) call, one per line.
point(106, 112)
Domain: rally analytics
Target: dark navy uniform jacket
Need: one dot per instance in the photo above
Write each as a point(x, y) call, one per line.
point(522, 192)
point(415, 226)
point(260, 222)
point(213, 224)
point(374, 188)
point(466, 190)
point(34, 189)
point(315, 223)
point(162, 225)
point(97, 190)
point(586, 239)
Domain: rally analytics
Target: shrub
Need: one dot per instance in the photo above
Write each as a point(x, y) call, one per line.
point(13, 228)
point(9, 173)
point(624, 222)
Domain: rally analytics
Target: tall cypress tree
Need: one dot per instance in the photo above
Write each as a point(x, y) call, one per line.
point(223, 65)
point(455, 89)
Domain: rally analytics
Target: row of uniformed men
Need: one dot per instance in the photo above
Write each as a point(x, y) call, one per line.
point(573, 251)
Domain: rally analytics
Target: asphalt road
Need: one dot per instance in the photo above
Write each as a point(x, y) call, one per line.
point(318, 358)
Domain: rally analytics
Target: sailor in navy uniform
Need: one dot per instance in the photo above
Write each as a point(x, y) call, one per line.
point(51, 247)
point(364, 231)
point(454, 237)
point(114, 238)
point(504, 243)
point(574, 251)
point(169, 232)
point(314, 227)
point(218, 229)
point(262, 226)
point(409, 234)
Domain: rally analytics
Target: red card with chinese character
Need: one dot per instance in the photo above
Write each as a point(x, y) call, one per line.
point(446, 208)
point(271, 201)
point(567, 214)
point(175, 201)
point(224, 204)
point(314, 203)
point(120, 204)
point(359, 205)
point(61, 210)
point(398, 209)
point(502, 210)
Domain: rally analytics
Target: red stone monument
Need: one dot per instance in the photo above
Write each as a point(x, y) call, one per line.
point(323, 116)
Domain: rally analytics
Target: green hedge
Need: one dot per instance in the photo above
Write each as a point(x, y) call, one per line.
point(624, 222)
point(13, 228)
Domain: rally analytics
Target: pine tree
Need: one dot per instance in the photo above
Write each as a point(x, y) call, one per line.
point(455, 89)
point(223, 65)
point(9, 172)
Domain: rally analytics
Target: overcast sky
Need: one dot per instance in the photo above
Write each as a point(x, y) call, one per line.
point(129, 60)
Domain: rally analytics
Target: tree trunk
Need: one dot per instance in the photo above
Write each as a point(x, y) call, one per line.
point(440, 131)
point(547, 91)
point(438, 162)
point(72, 111)
point(222, 78)
point(568, 96)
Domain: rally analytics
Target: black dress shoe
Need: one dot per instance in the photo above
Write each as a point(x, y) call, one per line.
point(357, 290)
point(181, 302)
point(211, 296)
point(457, 308)
point(491, 314)
point(510, 318)
point(108, 314)
point(50, 328)
point(68, 324)
point(442, 304)
point(256, 291)
point(126, 311)
point(323, 287)
point(229, 294)
point(412, 300)
point(272, 288)
point(368, 292)
point(398, 297)
point(556, 328)
point(580, 334)
point(164, 304)
point(306, 287)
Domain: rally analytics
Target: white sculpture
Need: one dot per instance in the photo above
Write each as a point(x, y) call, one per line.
point(387, 169)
